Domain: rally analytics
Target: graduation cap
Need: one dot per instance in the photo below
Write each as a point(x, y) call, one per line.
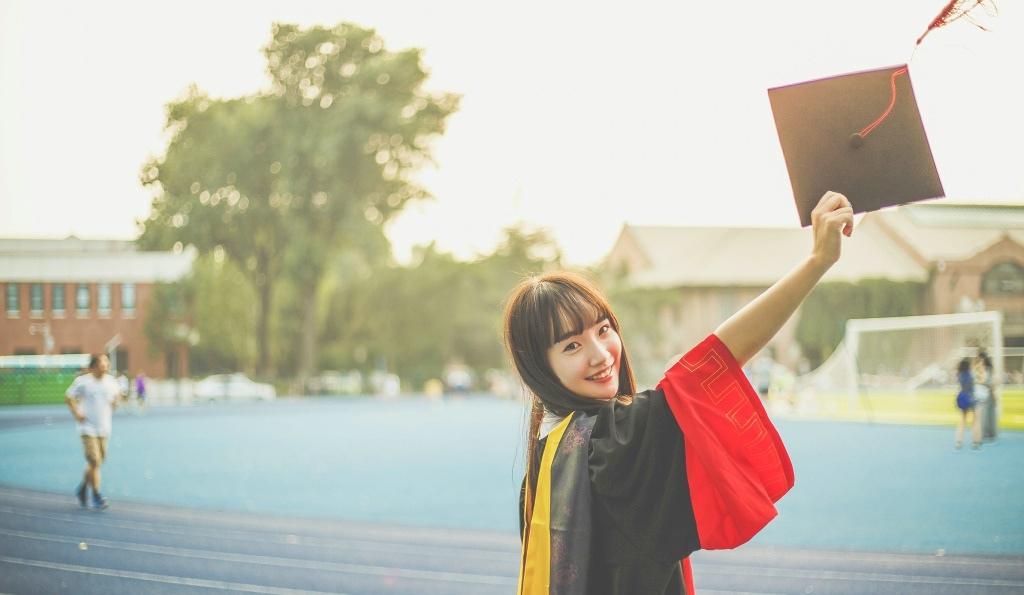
point(858, 134)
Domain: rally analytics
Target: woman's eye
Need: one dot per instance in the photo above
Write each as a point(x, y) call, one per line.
point(605, 328)
point(570, 347)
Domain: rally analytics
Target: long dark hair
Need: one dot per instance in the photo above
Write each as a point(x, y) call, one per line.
point(539, 311)
point(963, 366)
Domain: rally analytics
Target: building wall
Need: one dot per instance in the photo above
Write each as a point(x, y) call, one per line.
point(952, 287)
point(696, 314)
point(82, 332)
point(957, 287)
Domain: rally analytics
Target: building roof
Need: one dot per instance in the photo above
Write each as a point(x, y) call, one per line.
point(74, 260)
point(941, 231)
point(899, 244)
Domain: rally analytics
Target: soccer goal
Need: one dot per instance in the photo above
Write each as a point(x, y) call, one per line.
point(887, 368)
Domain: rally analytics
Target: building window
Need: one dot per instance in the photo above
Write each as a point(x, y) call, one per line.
point(12, 299)
point(82, 299)
point(35, 299)
point(128, 298)
point(121, 355)
point(1006, 278)
point(103, 298)
point(57, 299)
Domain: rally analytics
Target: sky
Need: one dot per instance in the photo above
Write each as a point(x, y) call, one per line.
point(575, 117)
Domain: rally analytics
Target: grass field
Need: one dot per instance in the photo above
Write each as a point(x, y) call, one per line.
point(38, 388)
point(932, 407)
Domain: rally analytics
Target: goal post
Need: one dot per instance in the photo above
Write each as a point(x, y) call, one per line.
point(906, 361)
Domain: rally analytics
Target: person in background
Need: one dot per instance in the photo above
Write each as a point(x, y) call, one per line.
point(140, 390)
point(986, 390)
point(967, 405)
point(92, 398)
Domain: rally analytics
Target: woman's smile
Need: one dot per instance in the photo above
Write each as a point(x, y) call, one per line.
point(587, 363)
point(603, 376)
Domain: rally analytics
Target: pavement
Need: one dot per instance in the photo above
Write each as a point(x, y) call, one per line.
point(364, 497)
point(50, 545)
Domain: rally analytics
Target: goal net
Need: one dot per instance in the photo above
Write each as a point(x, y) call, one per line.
point(886, 369)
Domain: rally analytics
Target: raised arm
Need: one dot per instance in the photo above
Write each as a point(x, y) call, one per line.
point(749, 330)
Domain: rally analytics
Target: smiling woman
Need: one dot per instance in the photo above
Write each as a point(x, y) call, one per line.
point(622, 486)
point(587, 362)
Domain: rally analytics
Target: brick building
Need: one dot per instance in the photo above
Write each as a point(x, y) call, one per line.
point(86, 296)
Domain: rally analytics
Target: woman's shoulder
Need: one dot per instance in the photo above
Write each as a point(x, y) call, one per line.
point(626, 419)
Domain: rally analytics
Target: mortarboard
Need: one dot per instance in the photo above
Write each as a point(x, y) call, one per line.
point(859, 134)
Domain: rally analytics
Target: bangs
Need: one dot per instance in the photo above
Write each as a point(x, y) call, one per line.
point(567, 311)
point(544, 310)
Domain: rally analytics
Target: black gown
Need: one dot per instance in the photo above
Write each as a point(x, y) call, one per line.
point(616, 509)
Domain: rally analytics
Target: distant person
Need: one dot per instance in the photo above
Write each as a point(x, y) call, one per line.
point(92, 398)
point(986, 393)
point(123, 384)
point(140, 390)
point(967, 404)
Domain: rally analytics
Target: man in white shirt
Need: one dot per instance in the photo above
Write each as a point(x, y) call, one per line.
point(92, 398)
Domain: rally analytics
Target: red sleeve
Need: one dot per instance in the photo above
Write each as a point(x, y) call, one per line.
point(736, 464)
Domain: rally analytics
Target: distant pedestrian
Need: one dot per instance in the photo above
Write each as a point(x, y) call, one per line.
point(92, 398)
point(140, 390)
point(986, 392)
point(967, 404)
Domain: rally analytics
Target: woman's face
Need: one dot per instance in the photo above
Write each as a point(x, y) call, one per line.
point(979, 372)
point(588, 363)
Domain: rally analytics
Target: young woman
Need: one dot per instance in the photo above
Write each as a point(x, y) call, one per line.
point(622, 486)
point(985, 392)
point(967, 403)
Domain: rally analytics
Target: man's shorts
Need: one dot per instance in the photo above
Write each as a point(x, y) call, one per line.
point(95, 449)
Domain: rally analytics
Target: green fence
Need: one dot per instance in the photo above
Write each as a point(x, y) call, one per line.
point(34, 386)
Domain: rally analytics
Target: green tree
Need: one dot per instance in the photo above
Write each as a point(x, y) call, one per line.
point(826, 310)
point(415, 319)
point(217, 188)
point(309, 169)
point(212, 309)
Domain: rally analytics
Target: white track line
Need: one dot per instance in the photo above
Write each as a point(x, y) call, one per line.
point(743, 555)
point(839, 575)
point(161, 578)
point(339, 567)
point(291, 539)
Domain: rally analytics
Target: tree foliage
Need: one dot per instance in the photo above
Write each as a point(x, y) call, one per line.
point(826, 310)
point(284, 180)
point(416, 319)
point(213, 309)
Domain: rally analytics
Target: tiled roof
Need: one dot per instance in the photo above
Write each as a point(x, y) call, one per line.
point(897, 244)
point(74, 260)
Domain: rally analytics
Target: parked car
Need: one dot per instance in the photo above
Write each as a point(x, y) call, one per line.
point(331, 382)
point(232, 387)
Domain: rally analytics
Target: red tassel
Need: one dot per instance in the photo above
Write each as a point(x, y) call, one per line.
point(955, 10)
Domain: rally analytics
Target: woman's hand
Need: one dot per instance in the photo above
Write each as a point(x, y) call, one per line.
point(833, 215)
point(749, 330)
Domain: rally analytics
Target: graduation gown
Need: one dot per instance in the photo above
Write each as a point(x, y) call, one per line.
point(625, 494)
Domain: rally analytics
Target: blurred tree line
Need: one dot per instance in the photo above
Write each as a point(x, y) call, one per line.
point(371, 314)
point(826, 310)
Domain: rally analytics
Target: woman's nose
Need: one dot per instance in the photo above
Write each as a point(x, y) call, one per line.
point(598, 354)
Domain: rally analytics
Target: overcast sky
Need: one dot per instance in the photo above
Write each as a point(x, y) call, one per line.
point(574, 117)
